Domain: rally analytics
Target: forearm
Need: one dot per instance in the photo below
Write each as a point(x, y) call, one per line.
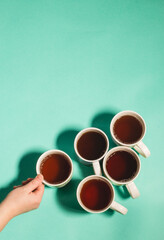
point(5, 215)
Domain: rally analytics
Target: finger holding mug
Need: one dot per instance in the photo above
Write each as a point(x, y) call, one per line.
point(91, 145)
point(121, 166)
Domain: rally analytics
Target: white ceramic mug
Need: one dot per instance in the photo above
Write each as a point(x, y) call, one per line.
point(112, 204)
point(139, 146)
point(42, 158)
point(131, 187)
point(95, 162)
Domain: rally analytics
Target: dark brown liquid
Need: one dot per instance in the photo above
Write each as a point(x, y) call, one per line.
point(128, 129)
point(55, 168)
point(96, 194)
point(121, 166)
point(91, 145)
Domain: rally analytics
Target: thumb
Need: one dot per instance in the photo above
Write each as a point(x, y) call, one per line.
point(31, 186)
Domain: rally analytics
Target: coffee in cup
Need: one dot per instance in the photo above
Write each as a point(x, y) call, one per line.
point(95, 194)
point(121, 166)
point(128, 129)
point(91, 145)
point(56, 168)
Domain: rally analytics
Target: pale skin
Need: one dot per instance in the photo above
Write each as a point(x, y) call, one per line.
point(23, 198)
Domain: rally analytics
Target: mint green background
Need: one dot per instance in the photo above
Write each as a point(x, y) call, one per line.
point(66, 65)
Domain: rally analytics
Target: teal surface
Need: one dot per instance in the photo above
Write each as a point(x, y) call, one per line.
point(67, 65)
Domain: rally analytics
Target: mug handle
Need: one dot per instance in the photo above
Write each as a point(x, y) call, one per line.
point(132, 189)
point(142, 149)
point(97, 168)
point(119, 208)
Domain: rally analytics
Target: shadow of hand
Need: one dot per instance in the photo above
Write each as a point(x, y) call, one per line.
point(27, 166)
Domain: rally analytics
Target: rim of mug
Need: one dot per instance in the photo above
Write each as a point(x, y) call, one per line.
point(80, 187)
point(132, 113)
point(45, 154)
point(87, 130)
point(116, 149)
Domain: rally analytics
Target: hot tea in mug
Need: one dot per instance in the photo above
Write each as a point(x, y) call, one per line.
point(121, 166)
point(95, 194)
point(128, 128)
point(91, 145)
point(56, 168)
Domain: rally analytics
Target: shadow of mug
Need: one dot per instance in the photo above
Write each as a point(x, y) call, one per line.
point(66, 197)
point(102, 120)
point(122, 191)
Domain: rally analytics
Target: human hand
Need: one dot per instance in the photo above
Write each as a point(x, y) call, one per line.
point(25, 198)
point(22, 199)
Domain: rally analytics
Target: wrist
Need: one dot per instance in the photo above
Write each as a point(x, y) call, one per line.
point(6, 211)
point(5, 215)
